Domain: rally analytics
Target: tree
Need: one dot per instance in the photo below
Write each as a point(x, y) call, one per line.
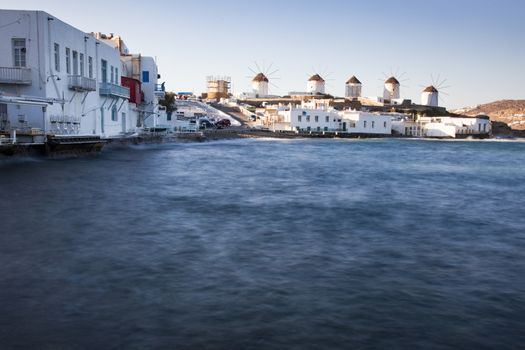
point(168, 101)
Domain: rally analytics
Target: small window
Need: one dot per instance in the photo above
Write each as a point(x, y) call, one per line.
point(364, 124)
point(384, 125)
point(90, 67)
point(19, 52)
point(299, 118)
point(325, 128)
point(307, 118)
point(68, 60)
point(317, 119)
point(117, 80)
point(145, 76)
point(327, 119)
point(112, 76)
point(57, 57)
point(318, 128)
point(373, 124)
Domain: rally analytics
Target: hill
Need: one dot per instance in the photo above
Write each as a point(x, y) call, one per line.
point(509, 112)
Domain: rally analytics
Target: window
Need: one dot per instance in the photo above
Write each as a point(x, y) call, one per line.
point(384, 125)
point(90, 67)
point(82, 64)
point(57, 57)
point(317, 119)
point(145, 76)
point(68, 60)
point(117, 80)
point(104, 64)
point(299, 118)
point(75, 63)
point(484, 127)
point(325, 128)
point(373, 124)
point(364, 124)
point(327, 119)
point(168, 116)
point(112, 77)
point(19, 52)
point(307, 118)
point(114, 114)
point(318, 128)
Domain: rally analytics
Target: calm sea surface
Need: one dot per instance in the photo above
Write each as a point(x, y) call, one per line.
point(261, 244)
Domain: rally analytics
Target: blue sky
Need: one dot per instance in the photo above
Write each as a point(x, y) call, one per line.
point(478, 46)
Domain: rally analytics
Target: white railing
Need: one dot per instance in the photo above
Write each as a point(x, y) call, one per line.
point(80, 83)
point(64, 124)
point(15, 75)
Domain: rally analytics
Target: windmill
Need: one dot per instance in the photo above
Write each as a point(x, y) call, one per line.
point(353, 88)
point(392, 85)
point(261, 80)
point(317, 81)
point(430, 95)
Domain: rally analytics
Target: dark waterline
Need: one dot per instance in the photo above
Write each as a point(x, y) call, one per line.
point(260, 244)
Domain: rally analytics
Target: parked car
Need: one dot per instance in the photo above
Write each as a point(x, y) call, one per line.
point(223, 123)
point(205, 124)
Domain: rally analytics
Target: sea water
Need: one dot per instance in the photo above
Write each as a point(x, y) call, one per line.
point(266, 244)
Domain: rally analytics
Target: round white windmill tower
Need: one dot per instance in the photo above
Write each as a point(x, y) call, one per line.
point(392, 89)
point(430, 96)
point(353, 88)
point(315, 84)
point(260, 85)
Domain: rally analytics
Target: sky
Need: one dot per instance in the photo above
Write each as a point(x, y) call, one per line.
point(476, 47)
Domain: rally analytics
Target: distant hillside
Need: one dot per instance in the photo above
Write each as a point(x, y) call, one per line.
point(509, 112)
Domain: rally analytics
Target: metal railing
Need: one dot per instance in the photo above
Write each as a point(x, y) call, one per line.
point(15, 75)
point(108, 89)
point(160, 90)
point(80, 83)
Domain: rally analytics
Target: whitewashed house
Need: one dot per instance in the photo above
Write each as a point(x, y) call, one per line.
point(443, 126)
point(142, 71)
point(77, 76)
point(358, 122)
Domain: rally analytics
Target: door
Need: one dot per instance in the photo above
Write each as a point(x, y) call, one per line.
point(123, 122)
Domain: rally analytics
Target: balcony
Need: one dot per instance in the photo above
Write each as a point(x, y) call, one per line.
point(15, 75)
point(113, 90)
point(160, 90)
point(80, 83)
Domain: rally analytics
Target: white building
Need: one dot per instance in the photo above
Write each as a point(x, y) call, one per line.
point(430, 96)
point(317, 116)
point(315, 85)
point(392, 89)
point(78, 76)
point(357, 122)
point(143, 69)
point(443, 126)
point(353, 88)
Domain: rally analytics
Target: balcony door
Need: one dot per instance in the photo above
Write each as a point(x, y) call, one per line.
point(75, 63)
point(104, 71)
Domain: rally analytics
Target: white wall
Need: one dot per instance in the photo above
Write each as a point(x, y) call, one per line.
point(304, 119)
point(314, 86)
point(367, 123)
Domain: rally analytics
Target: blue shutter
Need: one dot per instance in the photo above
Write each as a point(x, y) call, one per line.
point(145, 76)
